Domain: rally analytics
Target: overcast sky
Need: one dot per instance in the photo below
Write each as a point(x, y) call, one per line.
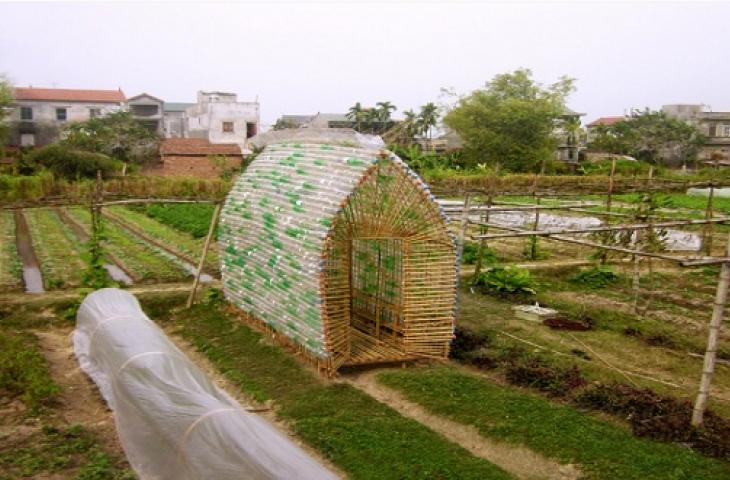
point(310, 57)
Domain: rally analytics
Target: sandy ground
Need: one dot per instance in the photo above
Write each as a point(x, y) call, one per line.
point(517, 460)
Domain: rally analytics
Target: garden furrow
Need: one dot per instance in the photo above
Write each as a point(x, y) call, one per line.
point(11, 267)
point(57, 249)
point(174, 242)
point(139, 258)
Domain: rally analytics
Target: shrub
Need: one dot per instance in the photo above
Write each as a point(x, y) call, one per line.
point(471, 252)
point(596, 277)
point(67, 163)
point(507, 280)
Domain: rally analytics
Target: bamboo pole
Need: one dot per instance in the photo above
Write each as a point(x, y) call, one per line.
point(708, 368)
point(609, 195)
point(640, 226)
point(464, 225)
point(482, 242)
point(211, 231)
point(707, 233)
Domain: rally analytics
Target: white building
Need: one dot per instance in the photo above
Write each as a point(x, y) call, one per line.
point(221, 118)
point(39, 114)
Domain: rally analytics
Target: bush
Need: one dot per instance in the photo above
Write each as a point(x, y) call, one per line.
point(596, 277)
point(71, 164)
point(466, 342)
point(507, 280)
point(471, 252)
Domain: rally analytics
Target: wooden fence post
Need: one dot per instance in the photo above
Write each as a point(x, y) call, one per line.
point(483, 241)
point(708, 230)
point(610, 185)
point(464, 224)
point(211, 231)
point(708, 368)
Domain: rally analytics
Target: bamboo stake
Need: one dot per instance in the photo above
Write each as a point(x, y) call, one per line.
point(708, 368)
point(482, 242)
point(211, 230)
point(707, 233)
point(610, 185)
point(464, 224)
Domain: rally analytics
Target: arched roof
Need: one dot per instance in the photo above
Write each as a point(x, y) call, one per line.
point(274, 226)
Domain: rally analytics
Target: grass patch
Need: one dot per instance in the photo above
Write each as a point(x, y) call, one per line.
point(68, 451)
point(24, 370)
point(559, 431)
point(363, 437)
point(192, 218)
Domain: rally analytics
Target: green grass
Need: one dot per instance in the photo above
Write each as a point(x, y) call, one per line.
point(11, 267)
point(142, 260)
point(24, 370)
point(366, 439)
point(602, 450)
point(192, 218)
point(57, 248)
point(176, 240)
point(64, 452)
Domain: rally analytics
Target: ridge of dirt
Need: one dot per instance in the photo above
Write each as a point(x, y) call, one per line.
point(517, 460)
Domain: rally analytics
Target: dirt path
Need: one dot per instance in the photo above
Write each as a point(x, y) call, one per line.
point(79, 401)
point(517, 460)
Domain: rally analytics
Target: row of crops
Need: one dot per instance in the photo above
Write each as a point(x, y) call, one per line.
point(145, 249)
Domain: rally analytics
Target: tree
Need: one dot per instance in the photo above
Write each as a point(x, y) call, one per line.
point(652, 136)
point(428, 118)
point(282, 124)
point(511, 122)
point(384, 110)
point(6, 101)
point(356, 114)
point(118, 135)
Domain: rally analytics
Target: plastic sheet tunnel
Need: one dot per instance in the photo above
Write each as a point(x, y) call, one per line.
point(172, 421)
point(342, 249)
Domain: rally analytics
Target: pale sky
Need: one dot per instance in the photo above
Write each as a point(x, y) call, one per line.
point(305, 57)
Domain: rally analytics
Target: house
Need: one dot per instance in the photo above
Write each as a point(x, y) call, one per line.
point(196, 157)
point(569, 135)
point(220, 118)
point(148, 110)
point(39, 114)
point(715, 126)
point(175, 119)
point(601, 122)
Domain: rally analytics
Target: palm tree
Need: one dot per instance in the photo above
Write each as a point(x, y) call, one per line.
point(356, 114)
point(412, 124)
point(429, 118)
point(384, 109)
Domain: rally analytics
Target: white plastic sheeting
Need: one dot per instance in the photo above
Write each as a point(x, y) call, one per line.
point(172, 421)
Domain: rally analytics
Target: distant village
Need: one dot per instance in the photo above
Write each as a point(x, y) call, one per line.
point(219, 124)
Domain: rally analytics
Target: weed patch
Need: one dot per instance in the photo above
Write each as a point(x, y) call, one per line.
point(24, 370)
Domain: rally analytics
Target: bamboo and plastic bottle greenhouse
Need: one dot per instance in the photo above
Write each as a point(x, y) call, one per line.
point(343, 251)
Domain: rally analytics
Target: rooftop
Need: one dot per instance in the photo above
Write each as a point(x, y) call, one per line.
point(177, 106)
point(605, 121)
point(69, 95)
point(197, 146)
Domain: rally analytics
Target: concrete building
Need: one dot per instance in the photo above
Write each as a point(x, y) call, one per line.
point(39, 114)
point(220, 118)
point(148, 111)
point(601, 122)
point(175, 119)
point(570, 137)
point(715, 126)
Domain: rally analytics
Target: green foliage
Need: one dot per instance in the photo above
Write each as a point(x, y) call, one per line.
point(507, 280)
point(595, 278)
point(470, 254)
point(118, 135)
point(357, 433)
point(57, 452)
point(511, 121)
point(623, 167)
point(24, 370)
point(649, 135)
point(601, 450)
point(187, 217)
point(6, 102)
point(532, 250)
point(66, 162)
point(95, 276)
